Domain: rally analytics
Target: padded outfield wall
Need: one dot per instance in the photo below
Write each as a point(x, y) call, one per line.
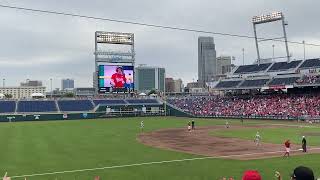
point(100, 112)
point(44, 117)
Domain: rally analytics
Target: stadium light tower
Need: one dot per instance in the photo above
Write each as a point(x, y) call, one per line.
point(272, 17)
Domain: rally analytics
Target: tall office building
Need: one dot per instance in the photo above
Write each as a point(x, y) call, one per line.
point(224, 64)
point(95, 82)
point(207, 64)
point(149, 78)
point(173, 85)
point(67, 84)
point(31, 83)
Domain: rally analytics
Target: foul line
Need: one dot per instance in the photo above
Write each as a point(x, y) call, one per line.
point(150, 163)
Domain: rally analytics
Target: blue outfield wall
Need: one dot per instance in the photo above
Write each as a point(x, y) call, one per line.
point(46, 117)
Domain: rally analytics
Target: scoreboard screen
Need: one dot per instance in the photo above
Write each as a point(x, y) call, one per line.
point(113, 78)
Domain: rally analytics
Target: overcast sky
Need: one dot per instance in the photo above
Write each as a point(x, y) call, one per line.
point(43, 46)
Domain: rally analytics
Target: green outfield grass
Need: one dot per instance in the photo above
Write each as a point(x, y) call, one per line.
point(40, 147)
point(276, 135)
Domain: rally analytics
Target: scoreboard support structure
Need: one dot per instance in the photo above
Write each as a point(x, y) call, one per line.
point(112, 48)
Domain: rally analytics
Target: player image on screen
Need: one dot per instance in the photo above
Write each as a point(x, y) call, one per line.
point(114, 78)
point(118, 79)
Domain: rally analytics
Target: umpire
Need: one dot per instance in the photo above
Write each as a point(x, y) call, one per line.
point(193, 125)
point(304, 144)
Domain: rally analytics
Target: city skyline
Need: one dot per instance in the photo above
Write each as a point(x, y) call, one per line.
point(48, 46)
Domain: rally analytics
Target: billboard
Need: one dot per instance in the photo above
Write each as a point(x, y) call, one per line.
point(112, 78)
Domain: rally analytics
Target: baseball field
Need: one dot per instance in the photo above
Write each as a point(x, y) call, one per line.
point(118, 149)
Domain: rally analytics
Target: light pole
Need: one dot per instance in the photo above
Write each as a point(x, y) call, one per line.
point(51, 86)
point(272, 52)
point(3, 82)
point(304, 50)
point(242, 56)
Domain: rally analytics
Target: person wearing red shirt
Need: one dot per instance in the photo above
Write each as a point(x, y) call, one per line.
point(287, 146)
point(118, 79)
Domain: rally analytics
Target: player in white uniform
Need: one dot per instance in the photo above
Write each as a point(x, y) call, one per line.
point(189, 126)
point(257, 139)
point(141, 125)
point(227, 124)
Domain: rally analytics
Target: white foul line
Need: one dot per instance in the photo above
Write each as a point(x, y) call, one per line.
point(150, 163)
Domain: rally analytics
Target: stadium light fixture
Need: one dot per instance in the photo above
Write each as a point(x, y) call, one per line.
point(275, 16)
point(267, 18)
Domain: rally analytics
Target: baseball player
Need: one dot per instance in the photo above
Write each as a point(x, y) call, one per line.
point(141, 125)
point(287, 145)
point(257, 139)
point(189, 126)
point(227, 124)
point(304, 144)
point(193, 125)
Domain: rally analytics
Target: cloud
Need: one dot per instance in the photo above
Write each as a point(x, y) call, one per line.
point(44, 46)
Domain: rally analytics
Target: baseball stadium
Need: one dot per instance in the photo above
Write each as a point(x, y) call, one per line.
point(258, 121)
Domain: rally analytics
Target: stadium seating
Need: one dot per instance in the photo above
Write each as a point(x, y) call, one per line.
point(252, 68)
point(309, 80)
point(310, 63)
point(7, 106)
point(283, 106)
point(75, 105)
point(283, 81)
point(36, 106)
point(228, 84)
point(109, 101)
point(282, 66)
point(254, 83)
point(142, 101)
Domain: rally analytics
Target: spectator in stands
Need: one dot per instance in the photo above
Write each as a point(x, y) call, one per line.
point(299, 173)
point(309, 79)
point(281, 106)
point(251, 175)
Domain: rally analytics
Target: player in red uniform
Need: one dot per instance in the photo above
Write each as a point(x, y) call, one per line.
point(118, 79)
point(287, 145)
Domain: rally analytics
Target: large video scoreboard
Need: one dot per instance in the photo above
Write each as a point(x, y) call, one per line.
point(113, 78)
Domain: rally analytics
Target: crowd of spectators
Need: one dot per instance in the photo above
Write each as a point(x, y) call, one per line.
point(299, 173)
point(259, 105)
point(309, 79)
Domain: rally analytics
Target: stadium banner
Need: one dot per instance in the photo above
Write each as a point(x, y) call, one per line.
point(310, 119)
point(65, 116)
point(277, 87)
point(36, 116)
